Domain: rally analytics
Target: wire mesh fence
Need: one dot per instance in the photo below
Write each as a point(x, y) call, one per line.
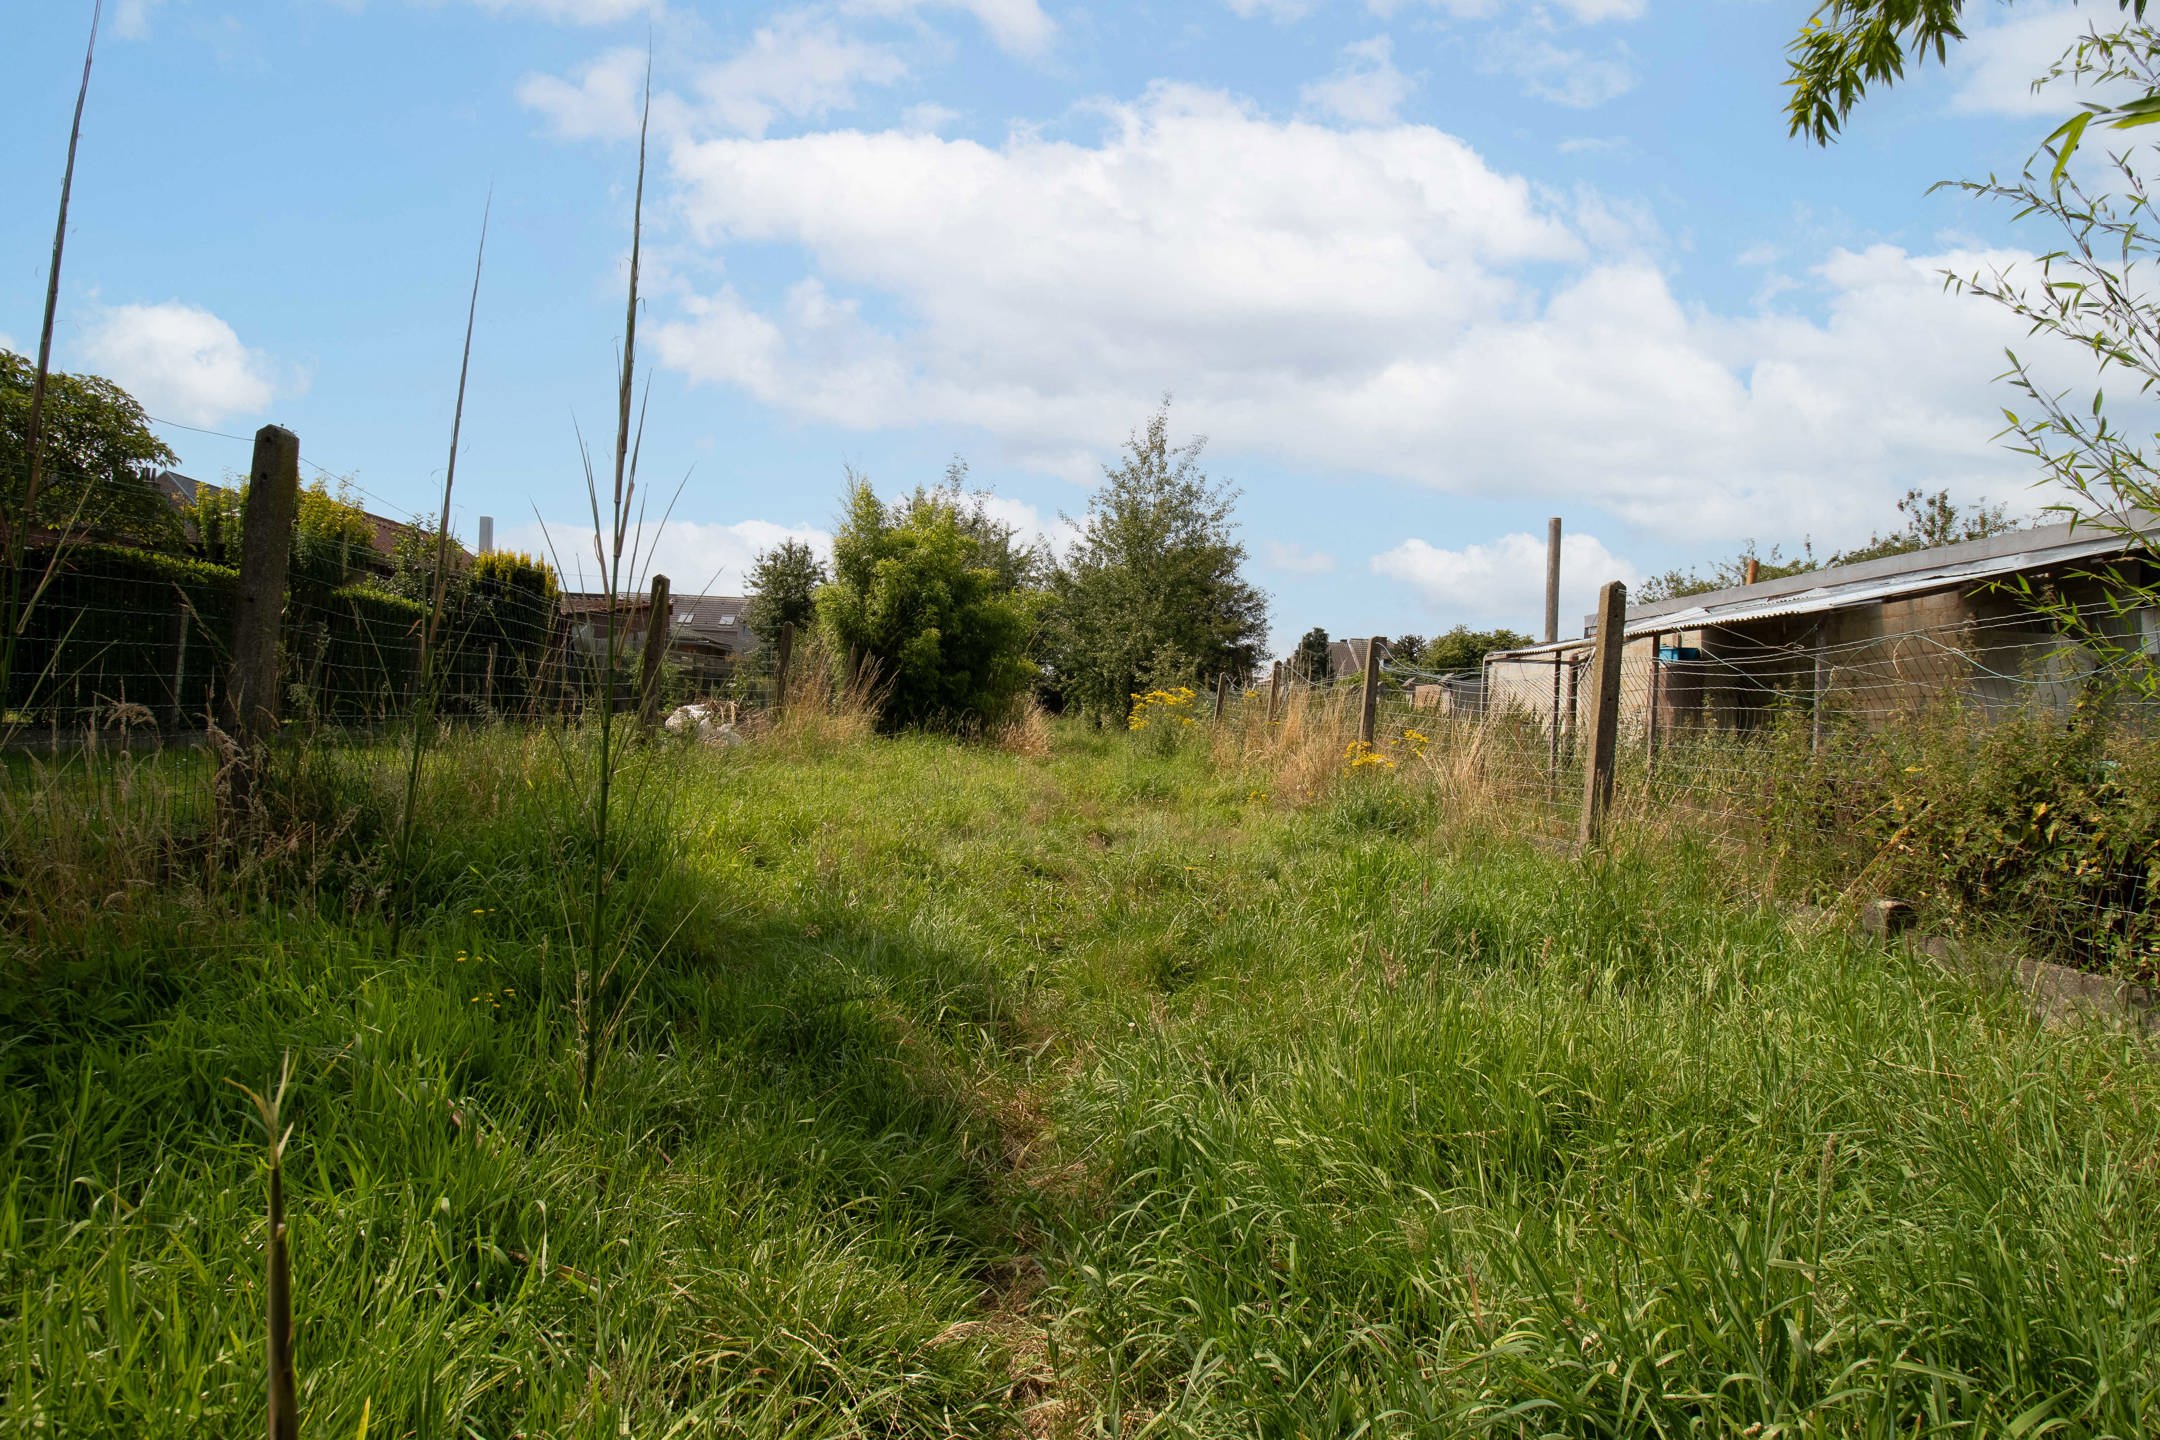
point(1989, 771)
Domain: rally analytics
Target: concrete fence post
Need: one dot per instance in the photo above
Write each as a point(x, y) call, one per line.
point(266, 537)
point(1369, 702)
point(1222, 693)
point(657, 622)
point(1604, 710)
point(783, 661)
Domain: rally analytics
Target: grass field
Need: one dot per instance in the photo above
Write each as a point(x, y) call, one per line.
point(1088, 1092)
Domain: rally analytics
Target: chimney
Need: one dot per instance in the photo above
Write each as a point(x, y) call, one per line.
point(1754, 570)
point(487, 533)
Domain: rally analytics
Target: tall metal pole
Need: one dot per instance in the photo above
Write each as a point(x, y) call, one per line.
point(1552, 580)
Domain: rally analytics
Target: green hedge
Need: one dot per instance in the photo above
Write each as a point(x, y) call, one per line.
point(117, 625)
point(135, 633)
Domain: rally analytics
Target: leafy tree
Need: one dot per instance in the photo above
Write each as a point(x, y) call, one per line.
point(2092, 292)
point(1310, 660)
point(1153, 580)
point(1932, 520)
point(1849, 45)
point(1725, 574)
point(783, 589)
point(1408, 647)
point(333, 540)
point(98, 455)
point(1462, 648)
point(947, 637)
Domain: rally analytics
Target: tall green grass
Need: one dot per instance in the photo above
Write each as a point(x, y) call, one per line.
point(1083, 1093)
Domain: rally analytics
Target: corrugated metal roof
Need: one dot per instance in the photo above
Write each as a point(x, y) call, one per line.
point(1860, 592)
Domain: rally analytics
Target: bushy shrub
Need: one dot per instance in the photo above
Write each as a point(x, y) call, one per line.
point(2050, 824)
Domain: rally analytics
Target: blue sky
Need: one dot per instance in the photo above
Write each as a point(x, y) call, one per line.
point(1424, 271)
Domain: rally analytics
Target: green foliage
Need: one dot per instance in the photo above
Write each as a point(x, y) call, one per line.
point(1725, 574)
point(946, 638)
point(1309, 661)
point(1462, 648)
point(1094, 1076)
point(1156, 569)
point(120, 625)
point(2048, 824)
point(98, 454)
point(333, 538)
point(2091, 291)
point(1930, 521)
point(783, 587)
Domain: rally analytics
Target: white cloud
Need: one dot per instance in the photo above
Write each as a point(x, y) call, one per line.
point(1295, 558)
point(601, 104)
point(131, 19)
point(181, 361)
point(1588, 12)
point(1995, 67)
point(1053, 532)
point(1366, 89)
point(709, 558)
point(573, 12)
point(1017, 26)
point(930, 117)
point(797, 67)
point(1563, 74)
point(1373, 301)
point(1504, 579)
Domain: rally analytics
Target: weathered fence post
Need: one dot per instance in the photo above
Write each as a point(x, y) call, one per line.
point(1274, 690)
point(1552, 580)
point(487, 684)
point(1369, 702)
point(656, 638)
point(177, 713)
point(783, 661)
point(1822, 690)
point(1552, 763)
point(1222, 693)
point(266, 531)
point(1657, 686)
point(1604, 710)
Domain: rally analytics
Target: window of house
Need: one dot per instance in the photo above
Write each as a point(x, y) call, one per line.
point(727, 619)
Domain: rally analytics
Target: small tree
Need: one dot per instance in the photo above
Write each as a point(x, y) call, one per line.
point(98, 455)
point(1156, 571)
point(1309, 661)
point(946, 637)
point(1462, 648)
point(783, 589)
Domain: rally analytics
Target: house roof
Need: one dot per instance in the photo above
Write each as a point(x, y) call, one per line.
point(1918, 572)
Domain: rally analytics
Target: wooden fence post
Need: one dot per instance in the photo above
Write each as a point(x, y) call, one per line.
point(1222, 693)
point(487, 684)
point(1822, 690)
point(1657, 699)
point(656, 641)
point(1552, 580)
point(1604, 710)
point(1369, 703)
point(266, 535)
point(783, 661)
point(177, 712)
point(1274, 690)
